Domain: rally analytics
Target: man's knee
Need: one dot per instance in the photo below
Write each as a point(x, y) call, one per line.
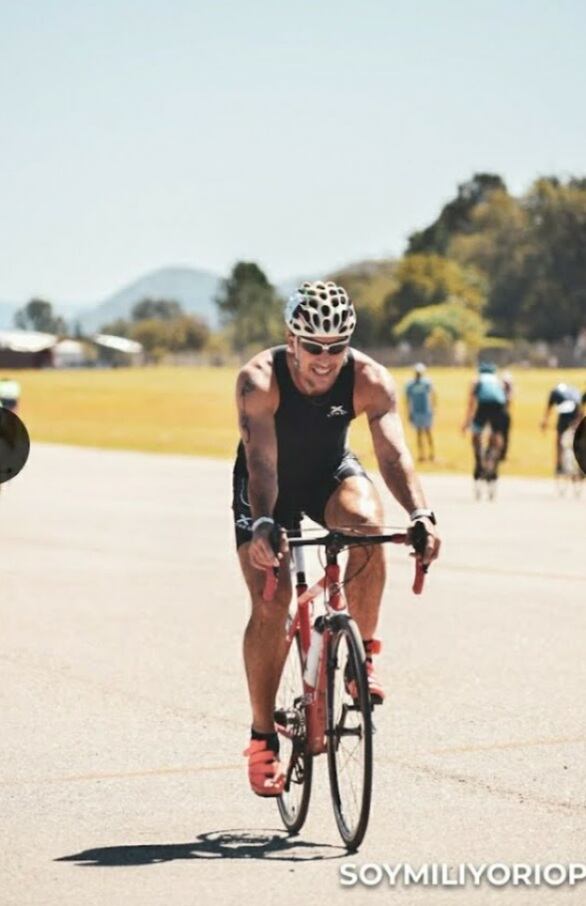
point(355, 504)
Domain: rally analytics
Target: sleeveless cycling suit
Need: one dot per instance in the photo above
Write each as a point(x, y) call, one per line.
point(491, 408)
point(312, 452)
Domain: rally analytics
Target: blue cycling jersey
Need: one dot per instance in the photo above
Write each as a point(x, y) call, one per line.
point(489, 389)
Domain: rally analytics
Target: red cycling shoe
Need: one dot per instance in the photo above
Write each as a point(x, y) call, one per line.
point(377, 693)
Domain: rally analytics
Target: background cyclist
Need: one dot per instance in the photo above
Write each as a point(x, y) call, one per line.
point(486, 408)
point(421, 402)
point(565, 399)
point(295, 404)
point(9, 394)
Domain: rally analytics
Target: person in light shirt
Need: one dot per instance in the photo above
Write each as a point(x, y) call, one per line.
point(421, 402)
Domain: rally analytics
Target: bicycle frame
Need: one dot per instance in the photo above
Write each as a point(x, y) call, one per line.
point(314, 692)
point(314, 681)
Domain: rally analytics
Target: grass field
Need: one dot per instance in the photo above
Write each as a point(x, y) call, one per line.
point(191, 411)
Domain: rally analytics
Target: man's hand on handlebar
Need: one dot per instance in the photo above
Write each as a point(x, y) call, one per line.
point(427, 546)
point(265, 540)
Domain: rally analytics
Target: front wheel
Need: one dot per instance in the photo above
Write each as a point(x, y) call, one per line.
point(291, 723)
point(349, 731)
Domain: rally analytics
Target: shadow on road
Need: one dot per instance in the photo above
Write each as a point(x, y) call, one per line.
point(226, 844)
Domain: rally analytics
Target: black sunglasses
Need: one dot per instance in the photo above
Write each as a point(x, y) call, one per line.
point(317, 348)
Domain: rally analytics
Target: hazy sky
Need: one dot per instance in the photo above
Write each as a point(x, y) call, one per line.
point(301, 135)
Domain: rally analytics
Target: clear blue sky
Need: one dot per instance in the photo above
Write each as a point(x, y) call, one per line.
point(141, 133)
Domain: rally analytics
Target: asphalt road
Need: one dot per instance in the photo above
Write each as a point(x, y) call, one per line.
point(124, 709)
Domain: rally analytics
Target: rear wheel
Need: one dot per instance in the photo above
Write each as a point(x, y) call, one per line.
point(290, 719)
point(349, 731)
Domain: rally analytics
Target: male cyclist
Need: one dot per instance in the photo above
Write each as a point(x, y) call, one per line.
point(421, 400)
point(295, 403)
point(566, 401)
point(486, 406)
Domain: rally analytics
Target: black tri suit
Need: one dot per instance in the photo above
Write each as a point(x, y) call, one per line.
point(313, 456)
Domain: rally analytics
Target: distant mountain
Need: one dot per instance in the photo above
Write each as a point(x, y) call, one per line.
point(193, 289)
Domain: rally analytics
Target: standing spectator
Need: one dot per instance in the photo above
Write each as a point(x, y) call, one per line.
point(9, 394)
point(421, 402)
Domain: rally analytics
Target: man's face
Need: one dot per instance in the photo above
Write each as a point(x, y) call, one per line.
point(318, 360)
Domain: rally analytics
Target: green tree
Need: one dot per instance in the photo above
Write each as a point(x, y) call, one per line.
point(165, 309)
point(153, 333)
point(499, 244)
point(436, 325)
point(456, 215)
point(118, 328)
point(532, 251)
point(187, 333)
point(368, 284)
point(554, 305)
point(38, 315)
point(424, 280)
point(250, 307)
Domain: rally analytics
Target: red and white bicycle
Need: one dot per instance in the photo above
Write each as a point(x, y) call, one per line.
point(323, 703)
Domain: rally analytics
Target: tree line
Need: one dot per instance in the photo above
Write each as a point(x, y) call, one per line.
point(161, 325)
point(491, 268)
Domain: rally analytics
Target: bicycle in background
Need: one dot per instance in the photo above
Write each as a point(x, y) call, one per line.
point(486, 468)
point(323, 702)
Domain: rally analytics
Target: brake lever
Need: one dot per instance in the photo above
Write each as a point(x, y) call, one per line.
point(418, 536)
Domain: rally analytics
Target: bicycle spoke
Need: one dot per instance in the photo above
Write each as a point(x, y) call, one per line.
point(290, 709)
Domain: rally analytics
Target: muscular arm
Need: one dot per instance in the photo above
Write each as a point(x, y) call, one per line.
point(379, 402)
point(257, 430)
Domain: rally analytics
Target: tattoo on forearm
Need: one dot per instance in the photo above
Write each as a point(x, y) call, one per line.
point(244, 421)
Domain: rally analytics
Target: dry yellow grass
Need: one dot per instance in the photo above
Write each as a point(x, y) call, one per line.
point(191, 410)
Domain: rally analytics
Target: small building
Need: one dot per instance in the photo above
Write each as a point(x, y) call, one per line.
point(73, 354)
point(26, 349)
point(116, 351)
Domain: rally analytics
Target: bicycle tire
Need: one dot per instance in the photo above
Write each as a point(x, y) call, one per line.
point(293, 804)
point(351, 806)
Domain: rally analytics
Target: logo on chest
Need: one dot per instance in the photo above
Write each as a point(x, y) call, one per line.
point(336, 410)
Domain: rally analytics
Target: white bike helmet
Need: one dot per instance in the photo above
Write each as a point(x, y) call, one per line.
point(320, 309)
